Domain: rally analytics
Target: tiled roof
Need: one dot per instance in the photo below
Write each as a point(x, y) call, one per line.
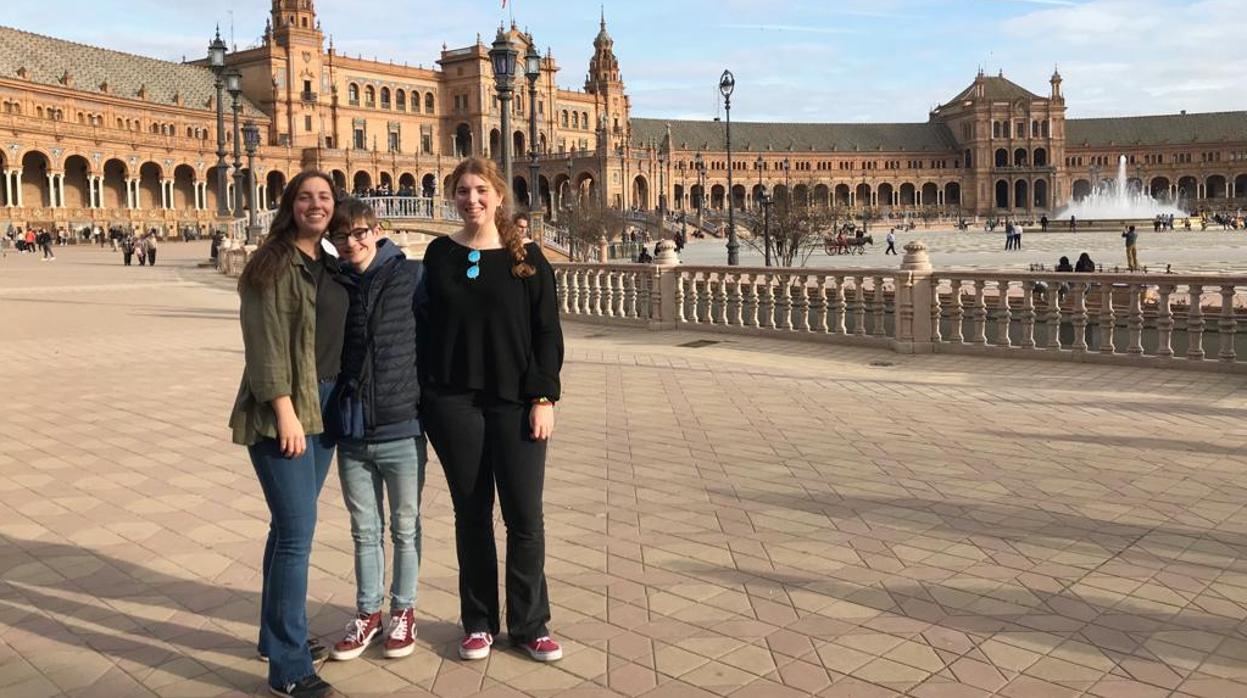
point(796, 138)
point(47, 60)
point(1167, 129)
point(997, 88)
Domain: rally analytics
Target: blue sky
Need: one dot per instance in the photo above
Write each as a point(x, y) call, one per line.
point(795, 60)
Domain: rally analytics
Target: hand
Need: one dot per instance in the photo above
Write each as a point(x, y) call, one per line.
point(541, 420)
point(290, 436)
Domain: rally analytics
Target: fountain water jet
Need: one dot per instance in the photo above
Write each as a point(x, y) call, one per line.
point(1115, 199)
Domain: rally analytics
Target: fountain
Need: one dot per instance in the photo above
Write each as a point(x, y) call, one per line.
point(1116, 200)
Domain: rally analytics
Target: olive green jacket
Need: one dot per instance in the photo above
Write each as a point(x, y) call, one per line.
point(279, 338)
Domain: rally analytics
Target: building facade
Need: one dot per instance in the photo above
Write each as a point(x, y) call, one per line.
point(94, 136)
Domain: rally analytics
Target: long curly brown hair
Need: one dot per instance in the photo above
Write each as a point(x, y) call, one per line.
point(274, 252)
point(508, 232)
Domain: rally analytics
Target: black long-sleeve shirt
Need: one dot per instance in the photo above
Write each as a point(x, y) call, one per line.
point(496, 333)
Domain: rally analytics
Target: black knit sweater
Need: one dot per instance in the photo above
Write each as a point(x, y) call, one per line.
point(496, 333)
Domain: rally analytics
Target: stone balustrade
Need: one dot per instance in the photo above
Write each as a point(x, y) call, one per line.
point(412, 207)
point(1189, 321)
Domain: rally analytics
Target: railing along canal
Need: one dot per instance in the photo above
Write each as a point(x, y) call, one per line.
point(1133, 319)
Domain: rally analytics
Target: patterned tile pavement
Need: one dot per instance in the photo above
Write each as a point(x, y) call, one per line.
point(752, 518)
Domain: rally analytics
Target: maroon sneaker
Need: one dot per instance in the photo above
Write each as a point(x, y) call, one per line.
point(544, 649)
point(475, 645)
point(360, 633)
point(402, 639)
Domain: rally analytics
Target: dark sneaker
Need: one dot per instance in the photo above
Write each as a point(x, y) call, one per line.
point(544, 649)
point(309, 687)
point(402, 639)
point(319, 652)
point(360, 633)
point(475, 646)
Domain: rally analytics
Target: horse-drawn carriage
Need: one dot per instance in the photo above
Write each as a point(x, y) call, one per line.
point(843, 244)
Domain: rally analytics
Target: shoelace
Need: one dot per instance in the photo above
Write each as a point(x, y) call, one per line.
point(481, 636)
point(542, 640)
point(355, 630)
point(399, 630)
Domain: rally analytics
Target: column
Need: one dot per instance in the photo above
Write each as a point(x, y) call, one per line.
point(164, 194)
point(136, 195)
point(52, 190)
point(17, 184)
point(229, 188)
point(8, 188)
point(97, 192)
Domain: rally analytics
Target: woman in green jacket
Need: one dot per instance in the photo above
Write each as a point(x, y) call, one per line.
point(293, 316)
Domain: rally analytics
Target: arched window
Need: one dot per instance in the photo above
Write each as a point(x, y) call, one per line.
point(352, 94)
point(1044, 128)
point(995, 129)
point(428, 102)
point(584, 119)
point(415, 102)
point(575, 119)
point(564, 118)
point(385, 98)
point(370, 96)
point(400, 100)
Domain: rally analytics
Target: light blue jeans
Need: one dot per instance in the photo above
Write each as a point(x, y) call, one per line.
point(369, 472)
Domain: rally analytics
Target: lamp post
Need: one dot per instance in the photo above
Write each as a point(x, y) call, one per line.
point(727, 83)
point(233, 83)
point(502, 55)
point(216, 61)
point(758, 165)
point(532, 65)
point(662, 194)
point(767, 201)
point(699, 164)
point(251, 137)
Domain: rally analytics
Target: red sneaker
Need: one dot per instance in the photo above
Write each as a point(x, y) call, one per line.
point(402, 639)
point(544, 649)
point(360, 633)
point(475, 646)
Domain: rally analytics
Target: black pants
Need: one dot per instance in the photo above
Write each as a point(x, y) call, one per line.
point(151, 257)
point(891, 248)
point(484, 442)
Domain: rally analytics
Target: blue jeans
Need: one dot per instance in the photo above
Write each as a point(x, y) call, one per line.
point(291, 487)
point(369, 471)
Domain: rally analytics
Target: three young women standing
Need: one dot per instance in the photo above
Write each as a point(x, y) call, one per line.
point(494, 354)
point(293, 314)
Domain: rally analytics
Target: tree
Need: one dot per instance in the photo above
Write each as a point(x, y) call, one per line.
point(586, 222)
point(796, 231)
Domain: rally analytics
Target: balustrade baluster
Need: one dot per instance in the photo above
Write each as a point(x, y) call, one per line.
point(573, 291)
point(713, 281)
point(838, 306)
point(766, 303)
point(679, 298)
point(694, 298)
point(1195, 322)
point(732, 302)
point(1134, 321)
point(1054, 315)
point(560, 285)
point(721, 298)
point(1028, 315)
point(801, 303)
point(595, 293)
point(1227, 326)
point(859, 306)
point(1080, 315)
point(1164, 320)
point(878, 307)
point(783, 298)
point(651, 306)
point(980, 313)
point(818, 305)
point(621, 294)
point(957, 317)
point(1004, 314)
point(628, 281)
point(749, 301)
point(1108, 320)
point(936, 332)
point(609, 297)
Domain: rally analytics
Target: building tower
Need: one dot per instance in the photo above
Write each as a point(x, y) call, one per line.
point(605, 82)
point(298, 88)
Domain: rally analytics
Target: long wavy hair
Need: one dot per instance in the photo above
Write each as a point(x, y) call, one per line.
point(274, 252)
point(508, 232)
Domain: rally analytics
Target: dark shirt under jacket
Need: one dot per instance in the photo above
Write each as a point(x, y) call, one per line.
point(496, 333)
point(332, 302)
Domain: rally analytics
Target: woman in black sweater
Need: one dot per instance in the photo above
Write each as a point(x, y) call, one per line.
point(492, 355)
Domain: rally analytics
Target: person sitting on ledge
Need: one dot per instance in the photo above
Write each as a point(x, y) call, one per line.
point(1084, 263)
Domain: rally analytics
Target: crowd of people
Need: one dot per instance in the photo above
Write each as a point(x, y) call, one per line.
point(371, 356)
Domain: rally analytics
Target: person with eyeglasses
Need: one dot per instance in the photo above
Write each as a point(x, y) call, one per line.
point(293, 315)
point(381, 450)
point(494, 352)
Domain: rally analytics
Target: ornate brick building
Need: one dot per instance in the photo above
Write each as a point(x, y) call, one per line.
point(90, 135)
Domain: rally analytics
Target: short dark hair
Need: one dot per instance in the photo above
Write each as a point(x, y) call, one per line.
point(522, 216)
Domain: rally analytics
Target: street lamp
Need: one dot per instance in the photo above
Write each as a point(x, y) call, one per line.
point(758, 165)
point(699, 164)
point(233, 83)
point(532, 69)
point(503, 56)
point(662, 194)
point(216, 62)
point(727, 83)
point(767, 201)
point(251, 137)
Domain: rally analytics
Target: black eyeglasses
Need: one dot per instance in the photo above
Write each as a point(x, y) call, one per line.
point(474, 258)
point(358, 233)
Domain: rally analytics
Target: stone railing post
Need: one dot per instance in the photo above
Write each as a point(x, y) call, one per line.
point(913, 302)
point(663, 280)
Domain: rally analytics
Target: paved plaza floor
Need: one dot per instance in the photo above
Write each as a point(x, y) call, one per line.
point(1213, 250)
point(751, 518)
